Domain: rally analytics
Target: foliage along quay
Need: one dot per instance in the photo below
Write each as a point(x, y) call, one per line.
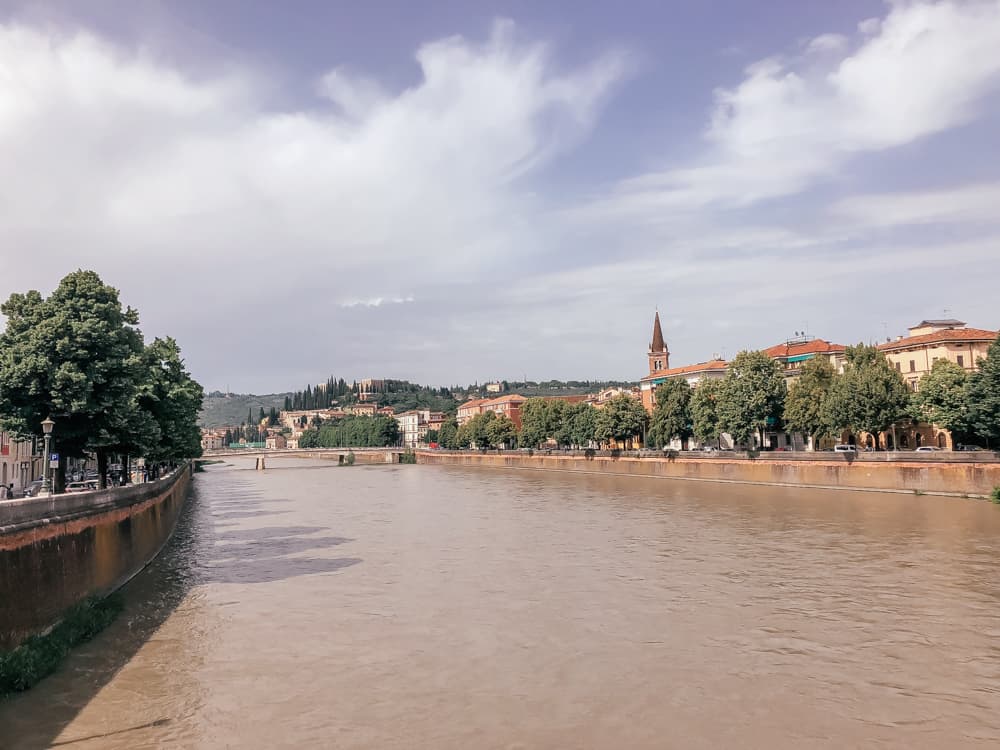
point(78, 361)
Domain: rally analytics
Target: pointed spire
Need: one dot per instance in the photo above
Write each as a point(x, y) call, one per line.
point(658, 345)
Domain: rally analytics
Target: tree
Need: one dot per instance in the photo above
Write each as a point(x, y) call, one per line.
point(501, 432)
point(432, 436)
point(583, 422)
point(479, 429)
point(942, 397)
point(77, 356)
point(672, 414)
point(621, 419)
point(534, 422)
point(752, 396)
point(448, 433)
point(173, 399)
point(869, 397)
point(705, 411)
point(807, 396)
point(984, 396)
point(560, 428)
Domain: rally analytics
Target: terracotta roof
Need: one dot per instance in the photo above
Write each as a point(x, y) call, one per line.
point(715, 364)
point(947, 334)
point(816, 346)
point(476, 402)
point(504, 399)
point(948, 323)
point(658, 345)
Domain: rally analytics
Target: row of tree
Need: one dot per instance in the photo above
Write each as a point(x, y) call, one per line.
point(353, 432)
point(870, 396)
point(78, 357)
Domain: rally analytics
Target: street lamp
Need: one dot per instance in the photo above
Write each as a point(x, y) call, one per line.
point(47, 425)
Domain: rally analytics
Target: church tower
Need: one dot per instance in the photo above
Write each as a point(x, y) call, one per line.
point(659, 357)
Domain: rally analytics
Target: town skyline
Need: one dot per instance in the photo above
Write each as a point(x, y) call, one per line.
point(500, 189)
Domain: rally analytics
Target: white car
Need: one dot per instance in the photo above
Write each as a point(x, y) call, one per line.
point(927, 449)
point(843, 448)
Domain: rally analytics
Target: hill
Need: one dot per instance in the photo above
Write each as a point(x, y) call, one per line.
point(222, 410)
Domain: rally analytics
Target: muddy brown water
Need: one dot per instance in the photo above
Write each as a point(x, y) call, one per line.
point(434, 607)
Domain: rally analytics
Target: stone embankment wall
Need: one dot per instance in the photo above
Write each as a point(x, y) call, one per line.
point(974, 477)
point(56, 551)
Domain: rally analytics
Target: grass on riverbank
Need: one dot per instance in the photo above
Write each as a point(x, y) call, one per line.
point(995, 497)
point(40, 655)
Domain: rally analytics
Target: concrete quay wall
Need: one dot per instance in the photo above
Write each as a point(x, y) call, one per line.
point(56, 551)
point(974, 478)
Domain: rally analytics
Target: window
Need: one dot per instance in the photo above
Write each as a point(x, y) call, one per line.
point(913, 385)
point(913, 366)
point(961, 360)
point(898, 367)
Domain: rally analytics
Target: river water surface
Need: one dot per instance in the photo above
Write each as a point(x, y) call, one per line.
point(432, 607)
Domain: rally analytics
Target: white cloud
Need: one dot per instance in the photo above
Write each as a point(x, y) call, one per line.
point(922, 70)
point(969, 204)
point(826, 43)
point(377, 301)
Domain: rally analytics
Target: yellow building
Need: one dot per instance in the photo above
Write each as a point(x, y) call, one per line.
point(931, 340)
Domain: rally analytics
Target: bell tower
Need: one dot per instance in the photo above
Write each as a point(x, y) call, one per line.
point(659, 357)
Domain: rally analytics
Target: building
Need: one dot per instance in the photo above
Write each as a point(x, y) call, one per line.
point(274, 442)
point(212, 440)
point(410, 424)
point(496, 387)
point(369, 387)
point(469, 409)
point(366, 409)
point(506, 406)
point(930, 340)
point(20, 461)
point(794, 352)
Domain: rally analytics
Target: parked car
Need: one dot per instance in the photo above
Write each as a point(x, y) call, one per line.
point(86, 486)
point(927, 449)
point(970, 448)
point(34, 488)
point(844, 448)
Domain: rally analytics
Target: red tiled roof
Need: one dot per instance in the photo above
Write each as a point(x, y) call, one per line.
point(512, 398)
point(715, 364)
point(816, 346)
point(476, 402)
point(946, 334)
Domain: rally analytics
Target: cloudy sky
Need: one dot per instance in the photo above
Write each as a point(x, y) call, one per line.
point(458, 190)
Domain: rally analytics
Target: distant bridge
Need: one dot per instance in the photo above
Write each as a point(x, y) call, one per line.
point(361, 455)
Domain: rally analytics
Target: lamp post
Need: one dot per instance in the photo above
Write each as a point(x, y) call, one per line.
point(47, 425)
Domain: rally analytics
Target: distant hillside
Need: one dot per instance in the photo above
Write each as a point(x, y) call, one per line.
point(220, 410)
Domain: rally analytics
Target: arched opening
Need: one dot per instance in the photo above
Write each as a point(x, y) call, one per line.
point(918, 439)
point(904, 441)
point(940, 440)
point(889, 444)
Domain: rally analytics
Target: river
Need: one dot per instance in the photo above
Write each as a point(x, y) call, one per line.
point(318, 606)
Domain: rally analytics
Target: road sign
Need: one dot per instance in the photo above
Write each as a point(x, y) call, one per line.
point(54, 457)
point(53, 464)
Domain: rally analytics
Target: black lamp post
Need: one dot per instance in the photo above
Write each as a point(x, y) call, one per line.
point(47, 425)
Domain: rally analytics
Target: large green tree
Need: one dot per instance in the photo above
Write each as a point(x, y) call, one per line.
point(535, 422)
point(448, 433)
point(705, 411)
point(984, 397)
point(671, 416)
point(806, 397)
point(869, 397)
point(501, 432)
point(942, 397)
point(173, 398)
point(76, 356)
point(622, 419)
point(582, 418)
point(752, 396)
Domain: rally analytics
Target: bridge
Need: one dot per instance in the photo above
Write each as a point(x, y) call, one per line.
point(361, 455)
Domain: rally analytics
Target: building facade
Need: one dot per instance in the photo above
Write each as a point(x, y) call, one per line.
point(20, 462)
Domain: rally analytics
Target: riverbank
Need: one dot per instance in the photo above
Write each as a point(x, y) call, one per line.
point(974, 478)
point(56, 552)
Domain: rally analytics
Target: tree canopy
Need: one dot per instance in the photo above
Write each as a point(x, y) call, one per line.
point(622, 419)
point(984, 396)
point(869, 397)
point(804, 410)
point(751, 397)
point(672, 414)
point(79, 357)
point(942, 397)
point(705, 410)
